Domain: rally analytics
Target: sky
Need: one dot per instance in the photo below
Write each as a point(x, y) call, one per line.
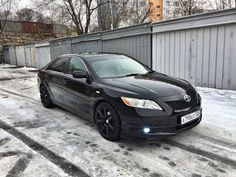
point(24, 3)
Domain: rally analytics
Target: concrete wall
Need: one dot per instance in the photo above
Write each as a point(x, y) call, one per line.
point(11, 26)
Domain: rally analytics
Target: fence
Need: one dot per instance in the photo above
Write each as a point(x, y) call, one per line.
point(33, 27)
point(199, 48)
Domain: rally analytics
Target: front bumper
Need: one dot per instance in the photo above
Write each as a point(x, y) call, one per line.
point(159, 125)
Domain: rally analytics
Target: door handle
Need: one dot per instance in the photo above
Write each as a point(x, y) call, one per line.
point(65, 81)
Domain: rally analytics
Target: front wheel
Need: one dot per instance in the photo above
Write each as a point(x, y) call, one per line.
point(45, 97)
point(107, 121)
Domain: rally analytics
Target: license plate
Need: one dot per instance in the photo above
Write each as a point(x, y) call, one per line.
point(189, 117)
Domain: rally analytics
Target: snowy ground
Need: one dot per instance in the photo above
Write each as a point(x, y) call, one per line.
point(40, 142)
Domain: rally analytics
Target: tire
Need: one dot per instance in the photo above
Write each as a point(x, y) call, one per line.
point(107, 122)
point(45, 97)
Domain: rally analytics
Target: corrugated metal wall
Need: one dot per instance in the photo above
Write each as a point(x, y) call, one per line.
point(20, 55)
point(60, 46)
point(28, 54)
point(200, 49)
point(87, 43)
point(134, 41)
point(43, 54)
point(12, 55)
point(6, 56)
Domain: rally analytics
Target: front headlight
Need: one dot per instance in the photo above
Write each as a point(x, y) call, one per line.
point(140, 103)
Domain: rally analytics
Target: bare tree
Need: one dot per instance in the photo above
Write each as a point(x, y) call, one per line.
point(5, 7)
point(79, 12)
point(190, 7)
point(104, 14)
point(139, 11)
point(27, 14)
point(56, 11)
point(115, 13)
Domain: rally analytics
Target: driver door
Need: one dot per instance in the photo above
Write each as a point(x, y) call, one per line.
point(78, 96)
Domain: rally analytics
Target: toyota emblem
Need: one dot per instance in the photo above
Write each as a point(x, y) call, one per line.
point(187, 98)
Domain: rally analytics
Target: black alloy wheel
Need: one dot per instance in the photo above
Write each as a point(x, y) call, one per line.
point(45, 97)
point(107, 121)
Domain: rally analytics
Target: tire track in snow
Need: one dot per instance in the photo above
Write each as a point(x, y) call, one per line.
point(12, 78)
point(188, 148)
point(19, 167)
point(18, 94)
point(59, 161)
point(201, 152)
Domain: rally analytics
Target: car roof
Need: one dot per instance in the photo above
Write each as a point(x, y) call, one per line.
point(90, 55)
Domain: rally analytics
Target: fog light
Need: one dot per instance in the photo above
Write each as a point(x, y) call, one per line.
point(146, 130)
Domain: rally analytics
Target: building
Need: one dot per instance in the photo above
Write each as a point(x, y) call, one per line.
point(104, 15)
point(156, 8)
point(169, 9)
point(163, 9)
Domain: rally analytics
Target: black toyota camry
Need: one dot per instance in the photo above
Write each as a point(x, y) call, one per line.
point(120, 95)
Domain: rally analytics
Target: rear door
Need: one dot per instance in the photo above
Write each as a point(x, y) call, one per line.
point(56, 79)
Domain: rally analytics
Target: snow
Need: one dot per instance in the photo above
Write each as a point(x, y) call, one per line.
point(207, 150)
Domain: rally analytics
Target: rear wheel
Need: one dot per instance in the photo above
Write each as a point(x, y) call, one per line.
point(45, 97)
point(107, 121)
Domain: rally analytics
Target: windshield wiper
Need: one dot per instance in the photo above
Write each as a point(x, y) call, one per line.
point(151, 71)
point(128, 75)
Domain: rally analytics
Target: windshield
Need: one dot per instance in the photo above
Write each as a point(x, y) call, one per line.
point(117, 66)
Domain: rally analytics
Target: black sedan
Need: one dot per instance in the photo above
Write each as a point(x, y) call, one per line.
point(120, 95)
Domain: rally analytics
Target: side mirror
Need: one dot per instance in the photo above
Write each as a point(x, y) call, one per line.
point(80, 74)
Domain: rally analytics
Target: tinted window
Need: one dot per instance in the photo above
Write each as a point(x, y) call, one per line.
point(116, 66)
point(59, 65)
point(75, 64)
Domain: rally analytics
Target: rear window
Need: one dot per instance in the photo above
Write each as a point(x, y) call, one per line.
point(59, 65)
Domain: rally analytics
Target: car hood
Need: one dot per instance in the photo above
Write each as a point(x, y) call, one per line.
point(153, 83)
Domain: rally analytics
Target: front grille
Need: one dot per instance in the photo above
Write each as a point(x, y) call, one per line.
point(182, 104)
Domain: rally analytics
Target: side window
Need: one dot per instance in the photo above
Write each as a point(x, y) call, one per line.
point(75, 64)
point(59, 65)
